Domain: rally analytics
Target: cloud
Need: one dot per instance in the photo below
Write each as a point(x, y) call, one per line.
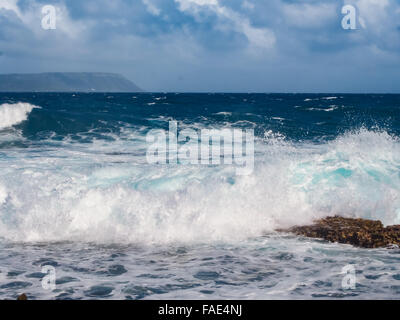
point(10, 5)
point(31, 17)
point(374, 13)
point(214, 45)
point(231, 20)
point(377, 24)
point(151, 8)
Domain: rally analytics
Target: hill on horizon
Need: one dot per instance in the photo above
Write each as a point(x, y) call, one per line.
point(66, 82)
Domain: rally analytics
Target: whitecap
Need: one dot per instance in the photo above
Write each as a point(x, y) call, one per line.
point(13, 114)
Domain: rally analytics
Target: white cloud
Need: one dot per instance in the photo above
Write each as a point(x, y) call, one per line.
point(377, 23)
point(32, 18)
point(10, 5)
point(192, 4)
point(151, 8)
point(373, 13)
point(257, 37)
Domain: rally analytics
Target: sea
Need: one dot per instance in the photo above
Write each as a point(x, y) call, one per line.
point(84, 214)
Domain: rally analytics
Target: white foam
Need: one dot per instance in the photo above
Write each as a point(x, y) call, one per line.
point(118, 198)
point(223, 113)
point(329, 98)
point(330, 108)
point(13, 114)
point(3, 194)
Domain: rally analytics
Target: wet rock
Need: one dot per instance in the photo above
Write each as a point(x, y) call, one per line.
point(22, 297)
point(358, 232)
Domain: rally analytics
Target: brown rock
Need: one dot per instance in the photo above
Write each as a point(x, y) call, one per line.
point(358, 232)
point(22, 297)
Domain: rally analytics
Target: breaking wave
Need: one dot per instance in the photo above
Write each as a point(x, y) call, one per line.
point(13, 114)
point(95, 193)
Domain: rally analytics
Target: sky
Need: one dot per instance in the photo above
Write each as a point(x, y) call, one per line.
point(210, 45)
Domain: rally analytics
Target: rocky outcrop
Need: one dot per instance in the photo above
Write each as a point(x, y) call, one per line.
point(22, 297)
point(357, 232)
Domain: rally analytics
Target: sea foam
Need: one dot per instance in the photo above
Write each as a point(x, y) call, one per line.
point(108, 197)
point(13, 114)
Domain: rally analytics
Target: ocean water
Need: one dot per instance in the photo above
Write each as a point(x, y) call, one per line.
point(77, 193)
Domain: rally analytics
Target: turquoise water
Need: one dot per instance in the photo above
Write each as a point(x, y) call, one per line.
point(77, 192)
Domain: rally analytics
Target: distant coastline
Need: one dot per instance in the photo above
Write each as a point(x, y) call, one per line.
point(67, 82)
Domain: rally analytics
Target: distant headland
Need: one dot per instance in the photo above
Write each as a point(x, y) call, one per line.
point(66, 82)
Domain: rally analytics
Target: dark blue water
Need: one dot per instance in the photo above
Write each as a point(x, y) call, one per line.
point(297, 116)
point(77, 192)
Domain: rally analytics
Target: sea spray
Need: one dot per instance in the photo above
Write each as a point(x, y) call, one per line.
point(122, 201)
point(13, 114)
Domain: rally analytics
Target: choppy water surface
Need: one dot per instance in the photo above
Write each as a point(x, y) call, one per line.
point(77, 193)
point(271, 267)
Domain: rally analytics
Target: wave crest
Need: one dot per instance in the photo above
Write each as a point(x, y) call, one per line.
point(13, 114)
point(104, 196)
